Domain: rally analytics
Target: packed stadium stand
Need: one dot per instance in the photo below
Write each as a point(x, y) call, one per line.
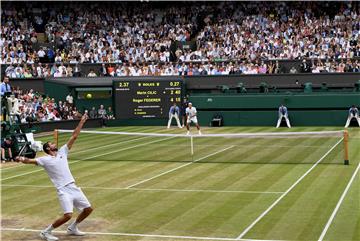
point(182, 38)
point(268, 47)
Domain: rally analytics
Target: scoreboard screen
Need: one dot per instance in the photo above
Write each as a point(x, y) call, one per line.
point(138, 99)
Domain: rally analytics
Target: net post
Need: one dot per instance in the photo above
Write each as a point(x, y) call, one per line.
point(56, 137)
point(346, 147)
point(192, 145)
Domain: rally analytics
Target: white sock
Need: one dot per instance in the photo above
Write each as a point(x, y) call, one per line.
point(49, 228)
point(73, 225)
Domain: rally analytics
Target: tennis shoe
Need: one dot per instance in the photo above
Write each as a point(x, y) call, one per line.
point(188, 133)
point(74, 231)
point(47, 236)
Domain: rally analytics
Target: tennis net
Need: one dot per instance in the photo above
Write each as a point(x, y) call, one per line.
point(247, 148)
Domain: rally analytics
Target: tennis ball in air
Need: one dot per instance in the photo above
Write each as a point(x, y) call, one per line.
point(89, 96)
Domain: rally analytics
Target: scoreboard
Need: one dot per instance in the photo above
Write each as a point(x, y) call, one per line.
point(136, 99)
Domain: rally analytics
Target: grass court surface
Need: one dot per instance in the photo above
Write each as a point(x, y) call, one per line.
point(151, 188)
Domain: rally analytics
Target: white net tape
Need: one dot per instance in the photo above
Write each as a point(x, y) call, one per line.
point(239, 135)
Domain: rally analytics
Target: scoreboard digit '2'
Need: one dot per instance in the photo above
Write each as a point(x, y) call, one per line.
point(136, 99)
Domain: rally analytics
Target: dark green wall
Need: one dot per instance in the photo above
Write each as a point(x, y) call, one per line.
point(56, 90)
point(261, 110)
point(269, 118)
point(271, 101)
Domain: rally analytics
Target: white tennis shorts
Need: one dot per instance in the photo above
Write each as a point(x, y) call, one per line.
point(71, 196)
point(192, 119)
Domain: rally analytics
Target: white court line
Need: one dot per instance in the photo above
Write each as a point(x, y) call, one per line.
point(7, 168)
point(140, 235)
point(76, 152)
point(176, 168)
point(92, 157)
point(286, 192)
point(148, 189)
point(327, 226)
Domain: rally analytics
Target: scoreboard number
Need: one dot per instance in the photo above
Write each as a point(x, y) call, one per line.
point(138, 99)
point(123, 84)
point(177, 99)
point(175, 83)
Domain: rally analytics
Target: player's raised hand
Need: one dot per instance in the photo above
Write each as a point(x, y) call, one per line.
point(84, 117)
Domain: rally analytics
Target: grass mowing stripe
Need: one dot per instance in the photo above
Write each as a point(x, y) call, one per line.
point(323, 233)
point(8, 168)
point(88, 158)
point(87, 149)
point(202, 174)
point(285, 193)
point(206, 175)
point(137, 235)
point(117, 174)
point(280, 174)
point(148, 189)
point(264, 179)
point(99, 137)
point(148, 153)
point(198, 173)
point(176, 168)
point(109, 145)
point(304, 211)
point(82, 140)
point(238, 141)
point(64, 136)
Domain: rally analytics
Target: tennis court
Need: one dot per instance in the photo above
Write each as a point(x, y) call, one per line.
point(172, 187)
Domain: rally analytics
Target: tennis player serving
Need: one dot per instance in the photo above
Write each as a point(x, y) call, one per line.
point(191, 117)
point(56, 165)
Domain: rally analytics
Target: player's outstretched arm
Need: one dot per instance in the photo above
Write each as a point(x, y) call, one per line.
point(25, 160)
point(76, 132)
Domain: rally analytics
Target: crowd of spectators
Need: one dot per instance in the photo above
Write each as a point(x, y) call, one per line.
point(227, 68)
point(101, 32)
point(280, 30)
point(188, 69)
point(29, 106)
point(143, 38)
point(40, 70)
point(327, 66)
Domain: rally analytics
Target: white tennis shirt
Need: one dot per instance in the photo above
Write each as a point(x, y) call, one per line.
point(191, 112)
point(57, 167)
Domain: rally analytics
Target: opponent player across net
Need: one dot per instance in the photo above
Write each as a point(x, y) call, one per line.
point(191, 117)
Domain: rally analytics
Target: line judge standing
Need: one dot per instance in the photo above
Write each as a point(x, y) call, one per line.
point(353, 113)
point(174, 112)
point(283, 113)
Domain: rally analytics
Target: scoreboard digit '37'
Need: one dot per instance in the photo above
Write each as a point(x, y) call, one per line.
point(136, 99)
